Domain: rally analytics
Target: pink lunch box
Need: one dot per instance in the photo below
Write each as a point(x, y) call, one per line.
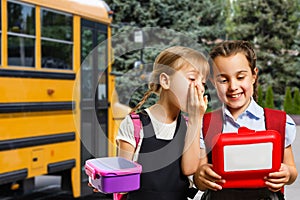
point(113, 174)
point(243, 159)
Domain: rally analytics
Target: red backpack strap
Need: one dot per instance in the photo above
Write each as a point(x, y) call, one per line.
point(212, 125)
point(137, 126)
point(212, 122)
point(276, 120)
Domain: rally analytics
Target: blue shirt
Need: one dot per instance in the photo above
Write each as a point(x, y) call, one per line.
point(253, 118)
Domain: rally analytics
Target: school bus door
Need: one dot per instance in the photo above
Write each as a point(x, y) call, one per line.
point(94, 100)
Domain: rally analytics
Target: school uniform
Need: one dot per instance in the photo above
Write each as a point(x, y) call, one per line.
point(159, 152)
point(253, 118)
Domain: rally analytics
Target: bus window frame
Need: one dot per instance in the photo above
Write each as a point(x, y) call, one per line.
point(54, 40)
point(20, 35)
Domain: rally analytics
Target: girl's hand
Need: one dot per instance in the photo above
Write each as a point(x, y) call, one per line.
point(196, 107)
point(197, 103)
point(206, 178)
point(94, 189)
point(276, 180)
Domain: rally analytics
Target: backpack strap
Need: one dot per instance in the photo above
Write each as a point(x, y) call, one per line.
point(212, 122)
point(137, 126)
point(276, 120)
point(212, 125)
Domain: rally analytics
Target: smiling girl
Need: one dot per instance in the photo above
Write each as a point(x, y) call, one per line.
point(235, 79)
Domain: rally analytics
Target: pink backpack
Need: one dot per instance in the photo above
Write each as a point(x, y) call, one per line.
point(137, 126)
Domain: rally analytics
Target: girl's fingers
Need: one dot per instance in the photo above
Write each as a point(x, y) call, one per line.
point(278, 177)
point(200, 93)
point(197, 103)
point(94, 189)
point(213, 184)
point(193, 101)
point(210, 174)
point(209, 178)
point(192, 93)
point(276, 180)
point(205, 100)
point(190, 96)
point(213, 176)
point(274, 187)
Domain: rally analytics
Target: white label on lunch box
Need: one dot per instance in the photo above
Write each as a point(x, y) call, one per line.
point(248, 157)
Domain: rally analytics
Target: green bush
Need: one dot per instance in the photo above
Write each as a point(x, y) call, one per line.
point(260, 97)
point(269, 102)
point(296, 101)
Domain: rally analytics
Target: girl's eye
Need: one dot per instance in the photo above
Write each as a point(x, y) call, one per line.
point(222, 80)
point(240, 77)
point(192, 79)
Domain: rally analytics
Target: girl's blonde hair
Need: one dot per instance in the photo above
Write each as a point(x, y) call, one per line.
point(171, 60)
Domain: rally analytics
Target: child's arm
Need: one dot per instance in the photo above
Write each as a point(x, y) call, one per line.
point(205, 178)
point(196, 107)
point(191, 152)
point(287, 173)
point(125, 139)
point(125, 149)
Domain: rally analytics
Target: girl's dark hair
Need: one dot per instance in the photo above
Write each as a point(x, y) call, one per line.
point(232, 47)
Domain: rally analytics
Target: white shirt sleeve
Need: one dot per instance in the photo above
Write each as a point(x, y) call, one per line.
point(290, 131)
point(126, 131)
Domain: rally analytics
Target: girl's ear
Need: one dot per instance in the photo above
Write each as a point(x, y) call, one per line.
point(254, 75)
point(164, 80)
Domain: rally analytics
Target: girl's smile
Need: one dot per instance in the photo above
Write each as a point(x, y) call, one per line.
point(234, 96)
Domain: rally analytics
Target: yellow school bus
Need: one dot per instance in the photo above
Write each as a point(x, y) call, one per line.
point(56, 96)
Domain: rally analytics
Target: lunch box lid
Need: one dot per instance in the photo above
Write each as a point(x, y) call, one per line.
point(111, 166)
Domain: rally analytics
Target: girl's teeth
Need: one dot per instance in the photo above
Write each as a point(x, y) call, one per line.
point(235, 96)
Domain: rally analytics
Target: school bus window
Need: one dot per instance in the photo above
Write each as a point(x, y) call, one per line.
point(93, 34)
point(102, 51)
point(94, 60)
point(102, 66)
point(57, 40)
point(86, 42)
point(56, 25)
point(21, 34)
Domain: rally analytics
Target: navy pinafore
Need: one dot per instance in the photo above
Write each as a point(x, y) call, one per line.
point(162, 177)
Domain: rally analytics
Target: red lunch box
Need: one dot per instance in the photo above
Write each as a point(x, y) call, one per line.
point(243, 159)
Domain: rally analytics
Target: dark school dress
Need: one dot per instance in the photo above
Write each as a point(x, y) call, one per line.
point(161, 178)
